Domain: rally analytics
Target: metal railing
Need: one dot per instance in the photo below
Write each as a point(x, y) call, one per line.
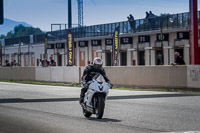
point(179, 21)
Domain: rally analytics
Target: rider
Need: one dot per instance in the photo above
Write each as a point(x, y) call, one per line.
point(90, 71)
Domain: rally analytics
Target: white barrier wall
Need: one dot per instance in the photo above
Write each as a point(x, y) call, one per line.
point(43, 74)
point(17, 73)
point(147, 76)
point(58, 74)
point(71, 74)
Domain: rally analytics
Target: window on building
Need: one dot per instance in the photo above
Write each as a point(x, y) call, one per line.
point(123, 58)
point(59, 60)
point(141, 58)
point(108, 59)
point(159, 57)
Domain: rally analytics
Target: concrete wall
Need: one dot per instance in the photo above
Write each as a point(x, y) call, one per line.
point(43, 73)
point(58, 74)
point(150, 76)
point(17, 73)
point(71, 74)
point(146, 76)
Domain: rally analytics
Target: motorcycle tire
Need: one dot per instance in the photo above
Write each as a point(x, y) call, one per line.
point(100, 107)
point(86, 113)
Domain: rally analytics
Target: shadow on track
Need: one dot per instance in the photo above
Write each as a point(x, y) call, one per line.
point(151, 96)
point(103, 120)
point(20, 100)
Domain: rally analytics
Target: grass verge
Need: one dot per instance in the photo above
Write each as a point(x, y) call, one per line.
point(43, 83)
point(179, 90)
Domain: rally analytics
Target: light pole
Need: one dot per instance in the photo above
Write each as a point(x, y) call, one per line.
point(171, 20)
point(161, 39)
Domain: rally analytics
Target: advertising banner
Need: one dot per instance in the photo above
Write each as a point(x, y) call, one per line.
point(70, 48)
point(116, 47)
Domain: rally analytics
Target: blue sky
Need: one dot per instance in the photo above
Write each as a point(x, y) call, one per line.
point(42, 13)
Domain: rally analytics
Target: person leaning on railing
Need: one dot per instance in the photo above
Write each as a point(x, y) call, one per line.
point(178, 59)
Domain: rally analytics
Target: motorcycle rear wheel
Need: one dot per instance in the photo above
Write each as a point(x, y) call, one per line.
point(99, 110)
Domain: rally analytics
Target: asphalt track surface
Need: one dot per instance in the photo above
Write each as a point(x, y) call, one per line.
point(53, 109)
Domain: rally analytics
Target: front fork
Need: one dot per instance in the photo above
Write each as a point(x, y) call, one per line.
point(95, 99)
point(95, 102)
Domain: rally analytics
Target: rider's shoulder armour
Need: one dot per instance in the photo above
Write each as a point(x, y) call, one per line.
point(88, 68)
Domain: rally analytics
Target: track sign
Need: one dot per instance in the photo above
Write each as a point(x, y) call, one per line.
point(83, 43)
point(165, 37)
point(143, 39)
point(126, 40)
point(109, 41)
point(50, 46)
point(183, 35)
point(60, 45)
point(96, 42)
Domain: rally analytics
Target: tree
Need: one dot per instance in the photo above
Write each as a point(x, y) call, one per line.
point(21, 30)
point(2, 36)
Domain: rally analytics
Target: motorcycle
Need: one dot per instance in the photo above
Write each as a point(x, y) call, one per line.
point(95, 97)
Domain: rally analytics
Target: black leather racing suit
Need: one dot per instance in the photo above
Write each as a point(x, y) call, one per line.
point(88, 74)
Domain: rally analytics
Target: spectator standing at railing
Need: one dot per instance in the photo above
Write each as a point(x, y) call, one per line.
point(147, 15)
point(149, 19)
point(41, 62)
point(7, 63)
point(51, 63)
point(131, 22)
point(46, 63)
point(13, 63)
point(131, 17)
point(151, 15)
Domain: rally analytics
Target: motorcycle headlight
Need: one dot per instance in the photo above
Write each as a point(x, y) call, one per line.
point(109, 85)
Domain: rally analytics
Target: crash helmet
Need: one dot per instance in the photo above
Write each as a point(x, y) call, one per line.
point(97, 63)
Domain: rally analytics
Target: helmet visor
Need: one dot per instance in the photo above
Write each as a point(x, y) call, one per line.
point(97, 66)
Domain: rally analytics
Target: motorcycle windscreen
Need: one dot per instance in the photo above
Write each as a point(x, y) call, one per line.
point(99, 78)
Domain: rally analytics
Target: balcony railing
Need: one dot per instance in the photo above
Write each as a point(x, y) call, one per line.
point(179, 21)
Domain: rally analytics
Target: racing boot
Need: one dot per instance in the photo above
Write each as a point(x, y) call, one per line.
point(82, 95)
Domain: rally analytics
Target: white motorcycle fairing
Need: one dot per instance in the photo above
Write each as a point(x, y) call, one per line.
point(95, 98)
point(95, 87)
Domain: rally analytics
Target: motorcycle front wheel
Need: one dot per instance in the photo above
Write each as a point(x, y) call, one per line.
point(86, 113)
point(99, 110)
